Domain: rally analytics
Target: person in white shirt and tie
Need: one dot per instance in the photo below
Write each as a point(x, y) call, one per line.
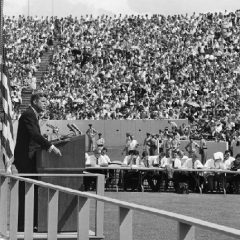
point(103, 159)
point(211, 177)
point(228, 160)
point(181, 178)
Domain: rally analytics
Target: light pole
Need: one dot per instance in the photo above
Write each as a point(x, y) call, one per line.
point(28, 7)
point(52, 8)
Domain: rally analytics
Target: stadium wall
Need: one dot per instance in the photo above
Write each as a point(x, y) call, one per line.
point(114, 133)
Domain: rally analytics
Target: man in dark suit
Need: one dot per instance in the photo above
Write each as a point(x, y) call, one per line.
point(29, 140)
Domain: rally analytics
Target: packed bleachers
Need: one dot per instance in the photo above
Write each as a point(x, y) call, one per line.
point(134, 67)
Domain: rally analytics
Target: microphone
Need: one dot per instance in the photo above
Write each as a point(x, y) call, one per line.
point(76, 128)
point(52, 127)
point(71, 128)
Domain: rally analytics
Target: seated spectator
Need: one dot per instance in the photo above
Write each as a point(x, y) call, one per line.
point(182, 179)
point(186, 163)
point(133, 159)
point(234, 179)
point(228, 160)
point(90, 160)
point(132, 178)
point(198, 164)
point(87, 160)
point(103, 159)
point(218, 158)
point(176, 161)
point(165, 161)
point(153, 161)
point(210, 164)
point(214, 179)
point(153, 178)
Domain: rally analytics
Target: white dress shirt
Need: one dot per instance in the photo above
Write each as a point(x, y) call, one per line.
point(177, 163)
point(103, 160)
point(165, 162)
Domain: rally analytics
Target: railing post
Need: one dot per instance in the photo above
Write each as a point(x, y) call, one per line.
point(3, 204)
point(14, 185)
point(186, 231)
point(83, 218)
point(125, 224)
point(29, 211)
point(99, 218)
point(52, 213)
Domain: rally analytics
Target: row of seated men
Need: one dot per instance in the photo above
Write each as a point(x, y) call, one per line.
point(208, 181)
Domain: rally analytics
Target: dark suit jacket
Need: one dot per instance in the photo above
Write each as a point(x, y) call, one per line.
point(29, 140)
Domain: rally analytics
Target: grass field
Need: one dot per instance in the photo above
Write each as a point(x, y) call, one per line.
point(216, 208)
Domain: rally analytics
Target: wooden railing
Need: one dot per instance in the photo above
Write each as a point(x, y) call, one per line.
point(186, 225)
point(9, 185)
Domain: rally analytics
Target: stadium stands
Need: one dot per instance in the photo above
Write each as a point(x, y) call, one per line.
point(133, 67)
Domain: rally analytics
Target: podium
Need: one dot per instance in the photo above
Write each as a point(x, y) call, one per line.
point(72, 161)
point(73, 156)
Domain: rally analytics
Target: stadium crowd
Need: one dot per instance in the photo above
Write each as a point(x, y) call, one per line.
point(134, 67)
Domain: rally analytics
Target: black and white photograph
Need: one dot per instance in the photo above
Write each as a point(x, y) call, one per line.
point(120, 119)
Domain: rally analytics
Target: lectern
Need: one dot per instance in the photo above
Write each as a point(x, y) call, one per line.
point(72, 161)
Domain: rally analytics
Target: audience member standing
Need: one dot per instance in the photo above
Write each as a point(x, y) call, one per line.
point(100, 143)
point(203, 150)
point(91, 133)
point(191, 148)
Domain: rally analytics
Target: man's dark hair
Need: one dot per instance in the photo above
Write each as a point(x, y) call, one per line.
point(227, 151)
point(37, 96)
point(104, 149)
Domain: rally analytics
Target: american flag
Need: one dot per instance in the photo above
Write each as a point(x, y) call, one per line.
point(7, 126)
point(7, 140)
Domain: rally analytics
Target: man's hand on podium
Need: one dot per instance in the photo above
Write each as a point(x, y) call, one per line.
point(55, 150)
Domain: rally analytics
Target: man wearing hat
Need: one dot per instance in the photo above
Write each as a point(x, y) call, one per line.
point(100, 143)
point(91, 133)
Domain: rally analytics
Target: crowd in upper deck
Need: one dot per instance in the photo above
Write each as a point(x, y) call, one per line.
point(133, 67)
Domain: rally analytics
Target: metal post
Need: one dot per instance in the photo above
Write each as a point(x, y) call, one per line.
point(28, 7)
point(52, 8)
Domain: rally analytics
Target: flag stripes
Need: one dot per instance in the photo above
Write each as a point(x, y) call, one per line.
point(7, 140)
point(7, 127)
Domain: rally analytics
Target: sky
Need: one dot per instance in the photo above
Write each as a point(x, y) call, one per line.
point(99, 7)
